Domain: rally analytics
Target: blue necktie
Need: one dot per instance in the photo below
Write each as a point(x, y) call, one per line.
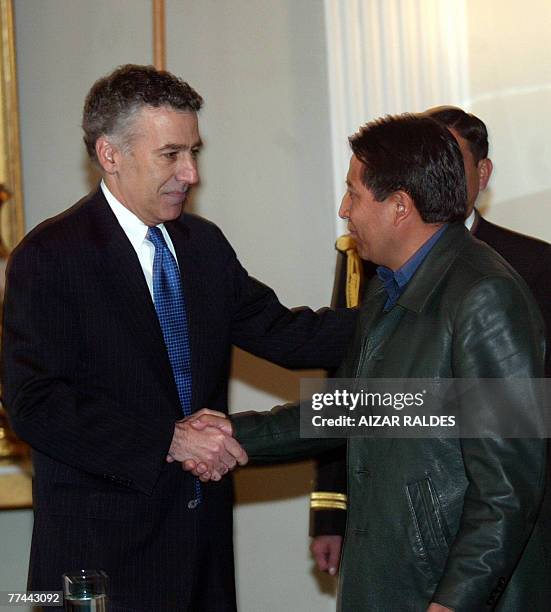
point(170, 305)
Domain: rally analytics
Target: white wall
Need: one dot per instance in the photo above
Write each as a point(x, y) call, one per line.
point(509, 71)
point(62, 47)
point(15, 533)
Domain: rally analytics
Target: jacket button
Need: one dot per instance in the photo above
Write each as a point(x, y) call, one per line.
point(192, 504)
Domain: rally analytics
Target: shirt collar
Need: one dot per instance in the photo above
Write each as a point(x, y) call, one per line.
point(395, 281)
point(133, 227)
point(470, 220)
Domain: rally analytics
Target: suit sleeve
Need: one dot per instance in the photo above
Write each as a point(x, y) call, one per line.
point(329, 500)
point(292, 338)
point(82, 427)
point(274, 436)
point(506, 476)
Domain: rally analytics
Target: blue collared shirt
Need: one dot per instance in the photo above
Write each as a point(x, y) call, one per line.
point(395, 282)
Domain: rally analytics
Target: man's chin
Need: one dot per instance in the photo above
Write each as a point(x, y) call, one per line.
point(171, 212)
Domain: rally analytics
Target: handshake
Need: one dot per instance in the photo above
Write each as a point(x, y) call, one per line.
point(204, 444)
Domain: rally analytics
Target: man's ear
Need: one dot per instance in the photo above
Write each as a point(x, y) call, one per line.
point(485, 168)
point(107, 155)
point(402, 205)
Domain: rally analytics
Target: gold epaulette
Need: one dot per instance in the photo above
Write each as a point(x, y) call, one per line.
point(354, 270)
point(328, 500)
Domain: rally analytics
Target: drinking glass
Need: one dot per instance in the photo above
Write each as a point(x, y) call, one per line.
point(85, 591)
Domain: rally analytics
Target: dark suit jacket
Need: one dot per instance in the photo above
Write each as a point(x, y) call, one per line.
point(88, 384)
point(530, 257)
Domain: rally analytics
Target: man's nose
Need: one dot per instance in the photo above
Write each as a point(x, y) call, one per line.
point(344, 208)
point(186, 172)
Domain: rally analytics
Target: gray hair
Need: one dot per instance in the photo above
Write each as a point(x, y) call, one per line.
point(113, 102)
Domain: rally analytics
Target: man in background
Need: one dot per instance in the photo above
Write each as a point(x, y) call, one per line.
point(119, 318)
point(530, 257)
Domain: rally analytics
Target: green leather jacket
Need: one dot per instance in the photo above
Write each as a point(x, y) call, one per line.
point(456, 521)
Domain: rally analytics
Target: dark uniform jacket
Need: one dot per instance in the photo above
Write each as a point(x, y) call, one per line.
point(456, 521)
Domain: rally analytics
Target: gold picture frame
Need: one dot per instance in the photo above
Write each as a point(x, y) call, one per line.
point(15, 474)
point(12, 225)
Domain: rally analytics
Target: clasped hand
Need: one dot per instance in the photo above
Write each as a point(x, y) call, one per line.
point(204, 444)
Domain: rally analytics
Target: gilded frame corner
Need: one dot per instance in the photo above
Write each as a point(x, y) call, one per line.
point(12, 225)
point(15, 476)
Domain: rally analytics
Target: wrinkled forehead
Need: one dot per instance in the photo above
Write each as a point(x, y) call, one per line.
point(165, 125)
point(163, 115)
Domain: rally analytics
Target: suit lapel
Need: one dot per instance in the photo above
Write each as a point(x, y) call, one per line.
point(478, 221)
point(377, 326)
point(373, 304)
point(127, 289)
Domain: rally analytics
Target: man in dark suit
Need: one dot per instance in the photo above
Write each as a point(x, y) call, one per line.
point(119, 318)
point(530, 257)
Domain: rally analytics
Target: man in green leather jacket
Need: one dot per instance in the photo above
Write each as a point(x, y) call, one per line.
point(433, 524)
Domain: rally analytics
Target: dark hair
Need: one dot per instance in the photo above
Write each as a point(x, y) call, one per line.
point(417, 155)
point(468, 126)
point(112, 102)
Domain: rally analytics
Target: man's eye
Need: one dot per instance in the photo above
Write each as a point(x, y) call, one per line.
point(195, 153)
point(170, 155)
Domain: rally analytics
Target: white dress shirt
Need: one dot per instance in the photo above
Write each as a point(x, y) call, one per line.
point(470, 220)
point(136, 230)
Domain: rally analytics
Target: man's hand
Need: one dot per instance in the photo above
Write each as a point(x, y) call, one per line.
point(327, 553)
point(205, 417)
point(201, 420)
point(435, 607)
point(209, 451)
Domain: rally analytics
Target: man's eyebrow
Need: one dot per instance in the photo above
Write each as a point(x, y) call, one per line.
point(180, 147)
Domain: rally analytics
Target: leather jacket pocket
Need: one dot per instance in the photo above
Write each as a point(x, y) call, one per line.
point(430, 533)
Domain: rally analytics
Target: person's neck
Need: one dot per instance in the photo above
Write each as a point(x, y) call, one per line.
point(411, 242)
point(111, 184)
